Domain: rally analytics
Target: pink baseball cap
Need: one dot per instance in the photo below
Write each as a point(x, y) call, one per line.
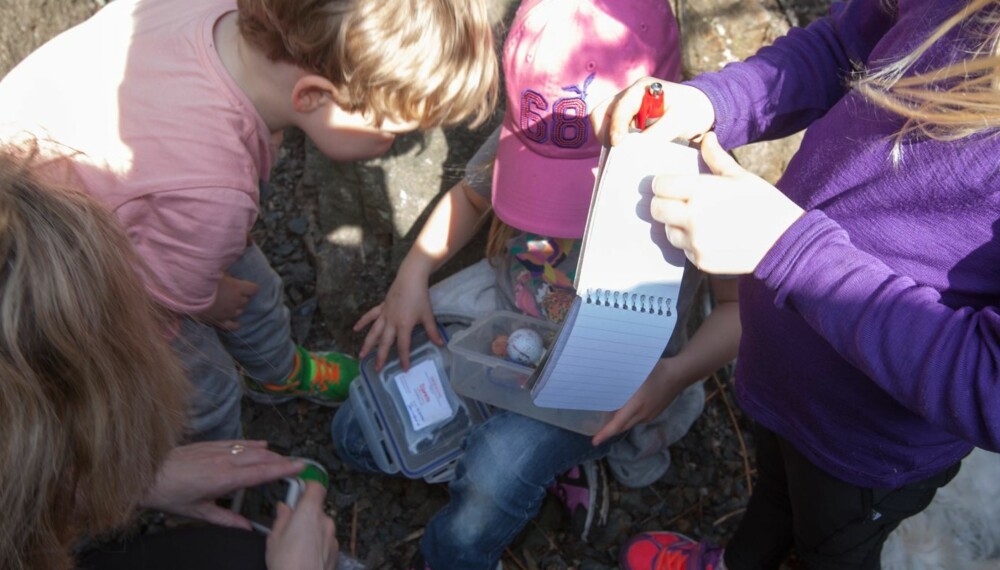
point(562, 58)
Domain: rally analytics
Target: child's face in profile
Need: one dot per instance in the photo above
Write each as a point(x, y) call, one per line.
point(344, 135)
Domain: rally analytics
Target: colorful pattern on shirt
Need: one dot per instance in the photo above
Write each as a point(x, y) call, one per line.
point(542, 274)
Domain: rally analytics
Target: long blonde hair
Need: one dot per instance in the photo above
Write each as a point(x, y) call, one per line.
point(954, 101)
point(496, 240)
point(92, 396)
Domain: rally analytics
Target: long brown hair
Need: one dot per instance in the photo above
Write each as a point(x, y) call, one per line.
point(93, 398)
point(952, 102)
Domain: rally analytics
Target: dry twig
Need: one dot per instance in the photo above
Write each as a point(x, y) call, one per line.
point(728, 516)
point(412, 536)
point(711, 395)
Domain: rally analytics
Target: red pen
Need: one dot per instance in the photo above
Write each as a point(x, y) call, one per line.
point(651, 108)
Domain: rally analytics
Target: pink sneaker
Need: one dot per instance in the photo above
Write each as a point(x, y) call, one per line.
point(668, 551)
point(584, 491)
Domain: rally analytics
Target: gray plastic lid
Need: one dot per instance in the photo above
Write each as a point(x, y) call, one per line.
point(424, 420)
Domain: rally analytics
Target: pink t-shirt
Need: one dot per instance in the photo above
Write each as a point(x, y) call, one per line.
point(157, 129)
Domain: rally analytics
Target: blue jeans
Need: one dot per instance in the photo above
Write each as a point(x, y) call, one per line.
point(262, 346)
point(499, 483)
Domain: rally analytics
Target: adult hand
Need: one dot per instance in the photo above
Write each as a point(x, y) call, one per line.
point(303, 539)
point(230, 298)
point(655, 394)
point(687, 113)
point(407, 304)
point(725, 222)
point(194, 475)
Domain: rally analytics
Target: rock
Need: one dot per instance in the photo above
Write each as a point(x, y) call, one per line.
point(299, 273)
point(369, 212)
point(284, 249)
point(298, 226)
point(616, 531)
point(270, 219)
point(365, 211)
point(329, 460)
point(554, 562)
point(717, 32)
point(633, 501)
point(339, 300)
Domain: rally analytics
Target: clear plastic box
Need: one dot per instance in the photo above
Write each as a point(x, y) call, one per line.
point(413, 421)
point(479, 374)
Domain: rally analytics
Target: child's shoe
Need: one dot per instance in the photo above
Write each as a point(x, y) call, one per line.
point(320, 377)
point(669, 551)
point(584, 491)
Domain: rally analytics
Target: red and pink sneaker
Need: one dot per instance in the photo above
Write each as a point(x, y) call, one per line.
point(669, 551)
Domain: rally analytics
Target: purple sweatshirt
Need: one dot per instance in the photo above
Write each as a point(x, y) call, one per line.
point(870, 337)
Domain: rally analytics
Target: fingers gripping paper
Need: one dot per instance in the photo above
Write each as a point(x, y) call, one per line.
point(627, 285)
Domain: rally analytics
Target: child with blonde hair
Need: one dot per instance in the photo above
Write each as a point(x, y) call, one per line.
point(167, 109)
point(537, 175)
point(870, 356)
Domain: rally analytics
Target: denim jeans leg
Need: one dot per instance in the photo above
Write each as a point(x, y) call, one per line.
point(349, 441)
point(263, 344)
point(215, 403)
point(500, 483)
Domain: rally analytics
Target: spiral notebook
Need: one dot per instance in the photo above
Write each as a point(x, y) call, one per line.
point(627, 284)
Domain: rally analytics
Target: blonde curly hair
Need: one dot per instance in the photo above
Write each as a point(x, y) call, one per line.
point(431, 62)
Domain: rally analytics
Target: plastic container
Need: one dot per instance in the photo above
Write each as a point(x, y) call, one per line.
point(479, 374)
point(413, 421)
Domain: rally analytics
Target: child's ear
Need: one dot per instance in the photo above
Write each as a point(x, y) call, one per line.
point(311, 92)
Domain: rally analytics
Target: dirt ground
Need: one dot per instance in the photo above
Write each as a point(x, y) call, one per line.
point(380, 519)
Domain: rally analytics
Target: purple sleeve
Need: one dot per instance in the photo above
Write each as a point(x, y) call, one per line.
point(941, 363)
point(788, 85)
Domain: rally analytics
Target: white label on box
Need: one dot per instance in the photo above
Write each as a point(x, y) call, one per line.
point(423, 395)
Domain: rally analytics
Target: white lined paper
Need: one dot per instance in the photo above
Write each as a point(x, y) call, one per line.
point(604, 353)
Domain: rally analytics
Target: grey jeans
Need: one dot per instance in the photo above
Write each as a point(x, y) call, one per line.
point(262, 347)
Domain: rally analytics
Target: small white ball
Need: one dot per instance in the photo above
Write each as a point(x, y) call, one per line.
point(524, 346)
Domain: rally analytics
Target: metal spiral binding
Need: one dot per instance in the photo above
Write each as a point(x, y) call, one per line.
point(630, 301)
